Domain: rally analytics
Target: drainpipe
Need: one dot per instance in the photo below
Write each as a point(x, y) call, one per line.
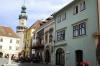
point(98, 13)
point(97, 35)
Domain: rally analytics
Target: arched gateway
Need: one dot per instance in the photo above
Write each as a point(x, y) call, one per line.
point(60, 57)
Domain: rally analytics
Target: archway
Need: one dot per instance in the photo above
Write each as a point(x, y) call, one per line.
point(1, 54)
point(47, 56)
point(60, 57)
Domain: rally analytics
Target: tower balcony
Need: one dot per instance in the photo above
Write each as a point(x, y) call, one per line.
point(21, 28)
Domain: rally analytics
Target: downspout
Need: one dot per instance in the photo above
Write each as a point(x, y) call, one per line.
point(97, 35)
point(98, 14)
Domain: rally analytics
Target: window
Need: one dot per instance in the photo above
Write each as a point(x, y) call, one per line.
point(75, 30)
point(82, 29)
point(63, 16)
point(50, 38)
point(59, 18)
point(46, 37)
point(79, 29)
point(10, 47)
point(1, 40)
point(0, 47)
point(79, 57)
point(82, 6)
point(10, 40)
point(17, 41)
point(17, 48)
point(61, 35)
point(76, 10)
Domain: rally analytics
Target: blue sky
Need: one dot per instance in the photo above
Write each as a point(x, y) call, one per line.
point(36, 9)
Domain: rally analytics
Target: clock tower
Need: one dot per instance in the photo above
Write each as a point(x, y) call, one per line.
point(22, 20)
point(22, 26)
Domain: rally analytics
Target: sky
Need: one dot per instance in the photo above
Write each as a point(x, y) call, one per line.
point(36, 10)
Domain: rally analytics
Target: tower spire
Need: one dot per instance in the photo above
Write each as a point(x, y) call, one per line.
point(23, 11)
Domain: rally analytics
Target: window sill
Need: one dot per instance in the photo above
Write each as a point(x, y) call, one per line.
point(80, 36)
point(60, 41)
point(75, 13)
point(82, 9)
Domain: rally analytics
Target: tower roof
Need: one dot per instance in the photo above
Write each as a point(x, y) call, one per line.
point(23, 13)
point(23, 9)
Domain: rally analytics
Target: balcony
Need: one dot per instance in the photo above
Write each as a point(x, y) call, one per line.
point(37, 44)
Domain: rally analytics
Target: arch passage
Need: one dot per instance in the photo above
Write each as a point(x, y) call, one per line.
point(60, 57)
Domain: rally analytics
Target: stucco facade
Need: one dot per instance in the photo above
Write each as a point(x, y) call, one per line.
point(10, 46)
point(86, 42)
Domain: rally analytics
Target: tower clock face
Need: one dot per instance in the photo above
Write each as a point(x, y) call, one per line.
point(22, 22)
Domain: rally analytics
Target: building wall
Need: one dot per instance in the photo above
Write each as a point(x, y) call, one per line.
point(28, 41)
point(6, 43)
point(85, 43)
point(49, 45)
point(21, 35)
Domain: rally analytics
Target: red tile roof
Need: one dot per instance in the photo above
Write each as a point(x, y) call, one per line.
point(7, 31)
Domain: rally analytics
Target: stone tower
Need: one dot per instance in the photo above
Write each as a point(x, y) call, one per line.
point(22, 26)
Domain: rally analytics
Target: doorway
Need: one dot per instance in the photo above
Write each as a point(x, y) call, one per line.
point(60, 57)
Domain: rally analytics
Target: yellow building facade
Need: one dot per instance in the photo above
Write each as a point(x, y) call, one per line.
point(28, 42)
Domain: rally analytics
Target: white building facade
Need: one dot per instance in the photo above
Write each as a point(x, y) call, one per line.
point(9, 45)
point(9, 42)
